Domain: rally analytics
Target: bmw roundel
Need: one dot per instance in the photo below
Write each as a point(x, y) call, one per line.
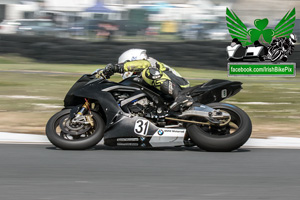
point(160, 132)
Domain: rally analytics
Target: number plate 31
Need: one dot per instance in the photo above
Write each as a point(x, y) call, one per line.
point(141, 127)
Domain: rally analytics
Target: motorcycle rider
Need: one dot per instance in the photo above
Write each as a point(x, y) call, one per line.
point(154, 73)
point(240, 51)
point(234, 42)
point(287, 43)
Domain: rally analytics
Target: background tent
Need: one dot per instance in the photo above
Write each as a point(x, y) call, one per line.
point(98, 8)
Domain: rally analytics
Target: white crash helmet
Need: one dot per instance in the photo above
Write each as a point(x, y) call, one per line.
point(133, 54)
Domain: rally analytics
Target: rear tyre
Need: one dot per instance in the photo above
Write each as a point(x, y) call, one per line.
point(227, 138)
point(84, 138)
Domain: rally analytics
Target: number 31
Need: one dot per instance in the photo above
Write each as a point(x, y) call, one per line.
point(141, 127)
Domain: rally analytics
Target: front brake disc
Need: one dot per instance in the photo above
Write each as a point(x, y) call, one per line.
point(73, 128)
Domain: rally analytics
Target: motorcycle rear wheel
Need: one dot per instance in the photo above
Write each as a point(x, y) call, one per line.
point(223, 139)
point(66, 141)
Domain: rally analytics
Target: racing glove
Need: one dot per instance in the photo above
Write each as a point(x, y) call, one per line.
point(110, 69)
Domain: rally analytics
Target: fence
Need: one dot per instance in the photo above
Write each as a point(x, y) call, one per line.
point(195, 54)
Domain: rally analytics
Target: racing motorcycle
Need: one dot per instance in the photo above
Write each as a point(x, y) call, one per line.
point(279, 51)
point(133, 113)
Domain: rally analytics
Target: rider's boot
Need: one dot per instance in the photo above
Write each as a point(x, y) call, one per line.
point(181, 100)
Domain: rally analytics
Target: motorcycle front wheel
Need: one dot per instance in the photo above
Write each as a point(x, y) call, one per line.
point(226, 138)
point(64, 135)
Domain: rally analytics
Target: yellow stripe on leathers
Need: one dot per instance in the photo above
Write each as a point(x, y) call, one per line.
point(136, 66)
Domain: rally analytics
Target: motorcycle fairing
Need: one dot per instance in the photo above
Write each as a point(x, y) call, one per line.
point(168, 137)
point(108, 104)
point(88, 82)
point(215, 90)
point(82, 90)
point(88, 87)
point(125, 128)
point(70, 99)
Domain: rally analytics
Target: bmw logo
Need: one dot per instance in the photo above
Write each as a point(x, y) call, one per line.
point(160, 132)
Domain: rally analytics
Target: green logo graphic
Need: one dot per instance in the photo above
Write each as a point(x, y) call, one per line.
point(237, 28)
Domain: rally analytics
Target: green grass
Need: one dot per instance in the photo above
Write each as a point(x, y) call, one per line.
point(281, 94)
point(14, 59)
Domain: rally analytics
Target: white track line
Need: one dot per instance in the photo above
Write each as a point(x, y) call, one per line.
point(274, 142)
point(271, 142)
point(22, 138)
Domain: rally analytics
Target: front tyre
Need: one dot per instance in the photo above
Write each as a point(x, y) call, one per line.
point(84, 137)
point(227, 138)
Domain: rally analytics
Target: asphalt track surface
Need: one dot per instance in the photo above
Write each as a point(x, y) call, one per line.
point(36, 171)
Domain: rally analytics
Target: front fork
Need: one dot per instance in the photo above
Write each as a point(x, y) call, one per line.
point(80, 116)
